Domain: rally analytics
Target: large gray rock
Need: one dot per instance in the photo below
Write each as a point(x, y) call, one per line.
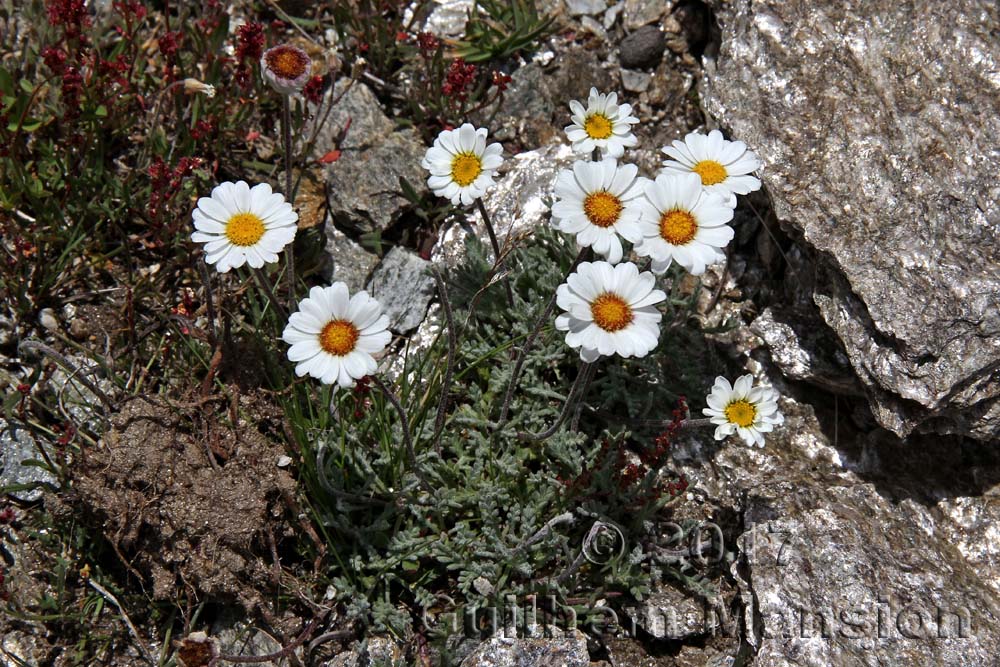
point(404, 286)
point(348, 261)
point(845, 558)
point(877, 123)
point(364, 189)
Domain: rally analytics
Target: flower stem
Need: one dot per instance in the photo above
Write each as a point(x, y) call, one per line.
point(496, 249)
point(529, 341)
point(575, 392)
point(265, 284)
point(206, 277)
point(450, 368)
point(286, 130)
point(404, 423)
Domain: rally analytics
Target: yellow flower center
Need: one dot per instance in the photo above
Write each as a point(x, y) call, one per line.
point(286, 62)
point(711, 172)
point(678, 227)
point(339, 337)
point(244, 229)
point(465, 168)
point(610, 312)
point(602, 208)
point(741, 412)
point(597, 126)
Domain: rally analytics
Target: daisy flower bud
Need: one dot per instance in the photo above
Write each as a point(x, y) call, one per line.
point(598, 201)
point(610, 310)
point(743, 409)
point(286, 68)
point(243, 225)
point(462, 164)
point(193, 86)
point(680, 221)
point(723, 166)
point(333, 335)
point(603, 124)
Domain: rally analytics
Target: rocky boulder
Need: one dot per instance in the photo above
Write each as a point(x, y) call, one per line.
point(855, 548)
point(877, 124)
point(363, 185)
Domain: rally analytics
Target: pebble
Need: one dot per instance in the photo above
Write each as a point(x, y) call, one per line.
point(643, 48)
point(47, 319)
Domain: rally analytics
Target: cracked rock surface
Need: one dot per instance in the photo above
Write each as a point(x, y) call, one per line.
point(861, 551)
point(877, 124)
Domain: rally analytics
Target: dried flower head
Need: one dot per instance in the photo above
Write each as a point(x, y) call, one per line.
point(194, 86)
point(286, 68)
point(197, 650)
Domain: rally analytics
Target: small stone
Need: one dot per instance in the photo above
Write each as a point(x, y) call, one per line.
point(233, 636)
point(667, 613)
point(78, 329)
point(384, 651)
point(636, 82)
point(643, 12)
point(482, 586)
point(284, 461)
point(585, 7)
point(17, 446)
point(404, 287)
point(643, 48)
point(47, 319)
point(81, 403)
point(446, 18)
point(593, 26)
point(611, 15)
point(7, 330)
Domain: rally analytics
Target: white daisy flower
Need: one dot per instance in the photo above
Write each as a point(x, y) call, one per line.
point(333, 335)
point(744, 409)
point(243, 225)
point(461, 164)
point(598, 202)
point(683, 222)
point(610, 310)
point(603, 124)
point(724, 166)
point(286, 68)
